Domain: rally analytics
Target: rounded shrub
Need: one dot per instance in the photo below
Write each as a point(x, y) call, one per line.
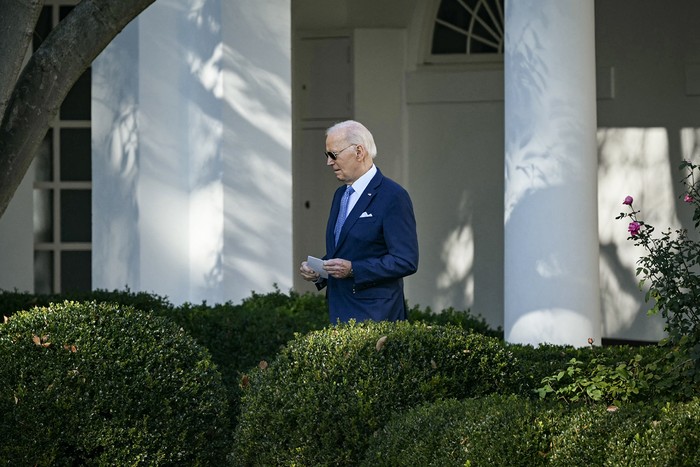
point(325, 395)
point(492, 430)
point(462, 318)
point(239, 336)
point(670, 438)
point(588, 434)
point(13, 301)
point(100, 384)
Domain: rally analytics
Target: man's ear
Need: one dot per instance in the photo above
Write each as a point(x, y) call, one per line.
point(360, 152)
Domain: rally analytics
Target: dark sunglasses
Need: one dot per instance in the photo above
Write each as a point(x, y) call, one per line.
point(334, 155)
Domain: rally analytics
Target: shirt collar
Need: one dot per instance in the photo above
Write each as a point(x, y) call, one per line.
point(362, 182)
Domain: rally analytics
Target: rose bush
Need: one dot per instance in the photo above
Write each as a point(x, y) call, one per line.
point(669, 268)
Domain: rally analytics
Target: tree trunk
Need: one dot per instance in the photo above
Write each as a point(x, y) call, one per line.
point(48, 76)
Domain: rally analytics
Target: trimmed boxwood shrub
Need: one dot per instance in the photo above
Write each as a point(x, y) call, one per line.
point(100, 384)
point(633, 435)
point(320, 401)
point(670, 438)
point(240, 336)
point(13, 301)
point(589, 434)
point(463, 319)
point(509, 430)
point(492, 430)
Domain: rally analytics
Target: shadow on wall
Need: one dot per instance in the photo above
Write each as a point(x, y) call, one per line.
point(115, 136)
point(549, 175)
point(258, 166)
point(455, 282)
point(635, 162)
point(550, 317)
point(219, 148)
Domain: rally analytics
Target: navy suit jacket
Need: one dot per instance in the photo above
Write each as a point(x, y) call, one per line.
point(379, 238)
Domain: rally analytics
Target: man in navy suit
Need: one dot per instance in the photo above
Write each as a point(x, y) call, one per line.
point(371, 246)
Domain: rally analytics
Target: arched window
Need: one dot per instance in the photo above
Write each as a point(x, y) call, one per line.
point(467, 30)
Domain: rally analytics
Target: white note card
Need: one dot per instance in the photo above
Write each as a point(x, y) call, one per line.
point(317, 265)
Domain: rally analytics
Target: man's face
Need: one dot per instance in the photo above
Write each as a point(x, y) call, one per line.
point(347, 166)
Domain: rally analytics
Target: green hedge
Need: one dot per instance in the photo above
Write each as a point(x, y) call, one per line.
point(315, 394)
point(96, 383)
point(614, 374)
point(240, 336)
point(461, 318)
point(508, 430)
point(14, 301)
point(594, 434)
point(671, 438)
point(492, 430)
point(324, 395)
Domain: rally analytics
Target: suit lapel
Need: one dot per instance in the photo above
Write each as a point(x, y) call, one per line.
point(361, 206)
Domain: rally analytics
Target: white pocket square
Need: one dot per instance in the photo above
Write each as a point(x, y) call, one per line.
point(365, 214)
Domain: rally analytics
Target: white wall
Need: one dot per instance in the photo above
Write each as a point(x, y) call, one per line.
point(116, 164)
point(16, 240)
point(192, 152)
point(647, 125)
point(379, 95)
point(455, 141)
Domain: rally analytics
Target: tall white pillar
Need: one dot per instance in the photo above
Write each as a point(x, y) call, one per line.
point(551, 230)
point(192, 152)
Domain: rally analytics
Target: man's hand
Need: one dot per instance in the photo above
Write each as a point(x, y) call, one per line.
point(307, 273)
point(338, 268)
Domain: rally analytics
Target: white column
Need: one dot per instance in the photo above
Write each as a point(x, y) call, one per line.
point(551, 232)
point(162, 187)
point(192, 152)
point(257, 146)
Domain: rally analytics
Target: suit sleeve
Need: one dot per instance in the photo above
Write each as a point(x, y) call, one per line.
point(400, 237)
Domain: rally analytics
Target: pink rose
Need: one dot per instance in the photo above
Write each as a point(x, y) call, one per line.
point(633, 228)
point(628, 200)
point(688, 198)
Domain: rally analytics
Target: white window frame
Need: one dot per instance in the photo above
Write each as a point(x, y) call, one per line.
point(479, 59)
point(56, 185)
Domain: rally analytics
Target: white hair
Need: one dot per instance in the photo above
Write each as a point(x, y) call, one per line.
point(355, 133)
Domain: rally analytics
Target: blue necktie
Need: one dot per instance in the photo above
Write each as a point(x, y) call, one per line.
point(343, 213)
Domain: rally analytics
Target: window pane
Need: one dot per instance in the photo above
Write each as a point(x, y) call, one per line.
point(76, 215)
point(478, 47)
point(43, 216)
point(43, 272)
point(469, 27)
point(76, 271)
point(76, 156)
point(448, 41)
point(63, 11)
point(43, 163)
point(43, 27)
point(454, 13)
point(76, 105)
